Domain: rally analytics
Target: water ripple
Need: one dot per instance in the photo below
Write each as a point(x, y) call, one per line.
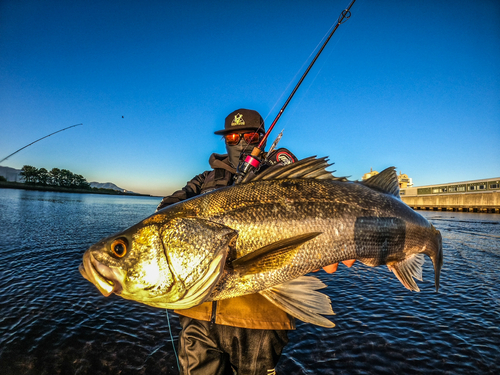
point(52, 321)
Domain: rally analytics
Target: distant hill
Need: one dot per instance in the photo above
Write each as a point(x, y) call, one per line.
point(11, 174)
point(109, 185)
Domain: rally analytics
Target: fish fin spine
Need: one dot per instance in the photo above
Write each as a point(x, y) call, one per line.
point(311, 168)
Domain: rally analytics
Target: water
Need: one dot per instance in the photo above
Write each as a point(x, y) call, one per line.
point(52, 321)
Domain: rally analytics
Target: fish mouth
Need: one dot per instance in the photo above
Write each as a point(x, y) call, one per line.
point(103, 277)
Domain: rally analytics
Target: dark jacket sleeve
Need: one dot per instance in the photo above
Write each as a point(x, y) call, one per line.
point(192, 189)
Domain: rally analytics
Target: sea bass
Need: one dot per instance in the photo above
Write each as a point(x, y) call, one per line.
point(263, 236)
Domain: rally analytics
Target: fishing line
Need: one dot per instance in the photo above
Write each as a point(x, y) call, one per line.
point(301, 69)
point(173, 344)
point(346, 16)
point(252, 161)
point(323, 64)
point(304, 94)
point(172, 340)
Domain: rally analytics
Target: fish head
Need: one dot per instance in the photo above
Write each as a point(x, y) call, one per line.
point(130, 264)
point(170, 264)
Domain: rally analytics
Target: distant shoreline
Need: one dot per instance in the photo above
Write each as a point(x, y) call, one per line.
point(58, 189)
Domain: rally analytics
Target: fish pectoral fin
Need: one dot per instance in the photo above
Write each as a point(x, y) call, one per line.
point(300, 299)
point(271, 256)
point(408, 269)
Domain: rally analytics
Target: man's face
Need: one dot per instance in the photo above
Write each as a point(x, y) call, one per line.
point(236, 143)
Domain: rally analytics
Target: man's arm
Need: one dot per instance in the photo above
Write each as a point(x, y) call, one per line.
point(192, 189)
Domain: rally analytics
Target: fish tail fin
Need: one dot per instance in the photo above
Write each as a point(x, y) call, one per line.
point(408, 269)
point(435, 252)
point(300, 299)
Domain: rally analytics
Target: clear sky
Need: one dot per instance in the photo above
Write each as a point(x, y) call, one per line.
point(411, 84)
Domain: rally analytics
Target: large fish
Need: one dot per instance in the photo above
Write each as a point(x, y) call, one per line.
point(262, 236)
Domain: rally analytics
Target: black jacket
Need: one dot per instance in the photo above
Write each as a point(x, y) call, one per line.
point(221, 175)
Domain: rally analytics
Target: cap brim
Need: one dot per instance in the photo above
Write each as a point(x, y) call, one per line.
point(238, 129)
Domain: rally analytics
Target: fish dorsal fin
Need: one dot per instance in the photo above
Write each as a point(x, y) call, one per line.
point(386, 182)
point(310, 167)
point(300, 298)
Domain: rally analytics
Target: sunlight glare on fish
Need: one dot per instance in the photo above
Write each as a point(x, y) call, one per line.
point(151, 273)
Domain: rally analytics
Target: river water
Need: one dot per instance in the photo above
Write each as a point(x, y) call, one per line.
point(52, 321)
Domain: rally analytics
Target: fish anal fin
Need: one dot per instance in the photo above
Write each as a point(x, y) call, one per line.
point(268, 257)
point(300, 299)
point(408, 269)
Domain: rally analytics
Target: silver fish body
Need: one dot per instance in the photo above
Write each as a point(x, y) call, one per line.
point(259, 236)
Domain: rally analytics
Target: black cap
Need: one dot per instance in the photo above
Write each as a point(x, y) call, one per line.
point(242, 120)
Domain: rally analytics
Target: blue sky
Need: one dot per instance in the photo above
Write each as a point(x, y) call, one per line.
point(414, 84)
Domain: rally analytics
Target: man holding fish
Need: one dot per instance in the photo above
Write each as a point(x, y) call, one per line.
point(232, 259)
point(246, 333)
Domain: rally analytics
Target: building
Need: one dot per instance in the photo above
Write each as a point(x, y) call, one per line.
point(372, 173)
point(466, 196)
point(404, 181)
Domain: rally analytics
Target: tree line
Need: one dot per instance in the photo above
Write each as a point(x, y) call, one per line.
point(56, 177)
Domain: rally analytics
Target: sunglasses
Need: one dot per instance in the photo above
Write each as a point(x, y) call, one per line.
point(233, 139)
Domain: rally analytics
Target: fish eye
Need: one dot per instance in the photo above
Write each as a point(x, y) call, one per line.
point(119, 247)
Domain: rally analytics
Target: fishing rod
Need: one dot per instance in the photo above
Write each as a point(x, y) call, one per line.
point(22, 148)
point(252, 161)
